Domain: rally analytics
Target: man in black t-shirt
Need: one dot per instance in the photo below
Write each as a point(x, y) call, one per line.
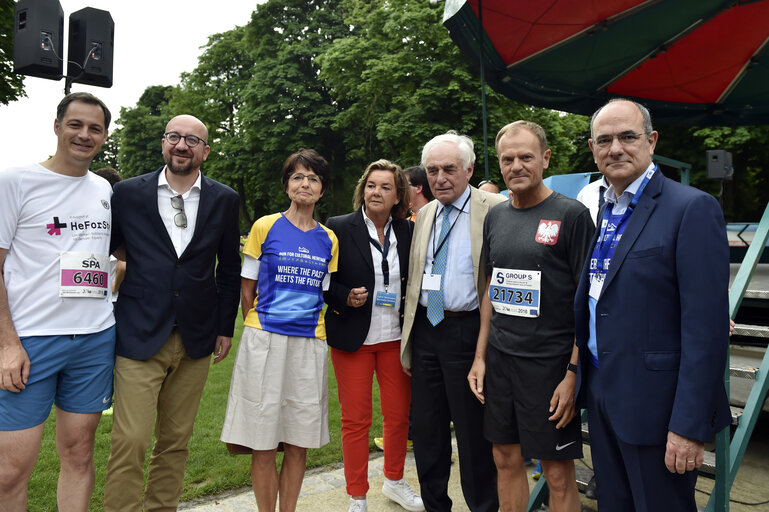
point(535, 246)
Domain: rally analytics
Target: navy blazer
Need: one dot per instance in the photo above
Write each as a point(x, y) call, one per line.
point(663, 318)
point(161, 289)
point(346, 327)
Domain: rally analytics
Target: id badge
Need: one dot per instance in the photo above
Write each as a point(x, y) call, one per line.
point(515, 292)
point(83, 274)
point(385, 299)
point(596, 285)
point(431, 282)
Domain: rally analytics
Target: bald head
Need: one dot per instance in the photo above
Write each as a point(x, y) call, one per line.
point(184, 154)
point(190, 122)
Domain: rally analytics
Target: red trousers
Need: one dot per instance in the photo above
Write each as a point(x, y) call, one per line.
point(354, 376)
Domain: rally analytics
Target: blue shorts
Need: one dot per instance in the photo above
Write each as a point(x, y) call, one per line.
point(72, 371)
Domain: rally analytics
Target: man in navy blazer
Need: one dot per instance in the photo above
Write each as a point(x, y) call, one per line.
point(180, 235)
point(651, 323)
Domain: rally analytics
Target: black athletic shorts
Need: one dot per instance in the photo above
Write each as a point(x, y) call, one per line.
point(518, 392)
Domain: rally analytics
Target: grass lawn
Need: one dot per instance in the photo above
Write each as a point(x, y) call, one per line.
point(210, 468)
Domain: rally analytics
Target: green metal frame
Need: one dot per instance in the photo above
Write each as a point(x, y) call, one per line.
point(729, 454)
point(683, 167)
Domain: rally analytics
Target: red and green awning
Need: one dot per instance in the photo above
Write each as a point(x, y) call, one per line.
point(695, 62)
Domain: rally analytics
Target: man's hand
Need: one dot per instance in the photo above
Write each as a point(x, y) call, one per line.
point(683, 454)
point(475, 379)
point(562, 402)
point(222, 348)
point(14, 366)
point(407, 371)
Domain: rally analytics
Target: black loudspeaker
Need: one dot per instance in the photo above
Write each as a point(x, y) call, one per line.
point(38, 42)
point(719, 164)
point(91, 47)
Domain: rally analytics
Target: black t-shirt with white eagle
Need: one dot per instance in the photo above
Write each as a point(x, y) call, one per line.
point(547, 243)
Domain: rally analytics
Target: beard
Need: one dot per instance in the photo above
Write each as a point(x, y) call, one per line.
point(181, 169)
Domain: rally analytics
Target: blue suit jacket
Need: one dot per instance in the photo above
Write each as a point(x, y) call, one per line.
point(662, 318)
point(161, 288)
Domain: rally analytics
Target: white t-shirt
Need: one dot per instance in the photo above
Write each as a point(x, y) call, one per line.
point(56, 229)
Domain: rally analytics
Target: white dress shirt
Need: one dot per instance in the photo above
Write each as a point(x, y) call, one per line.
point(180, 237)
point(459, 286)
point(385, 321)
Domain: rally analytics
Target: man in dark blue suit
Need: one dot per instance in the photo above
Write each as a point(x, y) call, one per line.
point(177, 305)
point(651, 323)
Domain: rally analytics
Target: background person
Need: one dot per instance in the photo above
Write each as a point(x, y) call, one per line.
point(57, 334)
point(177, 305)
point(651, 316)
point(488, 186)
point(363, 319)
point(440, 328)
point(420, 189)
point(279, 389)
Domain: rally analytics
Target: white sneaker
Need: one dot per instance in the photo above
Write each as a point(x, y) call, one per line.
point(357, 505)
point(402, 494)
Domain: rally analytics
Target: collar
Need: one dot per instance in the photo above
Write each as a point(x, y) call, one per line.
point(370, 223)
point(610, 196)
point(458, 203)
point(163, 182)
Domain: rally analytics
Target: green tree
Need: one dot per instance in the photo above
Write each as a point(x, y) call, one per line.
point(402, 81)
point(107, 155)
point(286, 106)
point(141, 132)
point(11, 84)
point(213, 93)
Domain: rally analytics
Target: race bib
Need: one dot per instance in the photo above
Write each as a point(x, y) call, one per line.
point(83, 274)
point(515, 292)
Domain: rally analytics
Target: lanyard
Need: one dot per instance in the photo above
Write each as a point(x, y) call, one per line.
point(612, 226)
point(442, 242)
point(384, 250)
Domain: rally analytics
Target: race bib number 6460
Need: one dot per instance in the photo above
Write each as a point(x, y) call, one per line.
point(83, 274)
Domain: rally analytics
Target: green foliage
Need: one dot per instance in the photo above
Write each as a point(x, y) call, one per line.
point(744, 198)
point(212, 93)
point(285, 105)
point(360, 80)
point(11, 84)
point(141, 132)
point(107, 156)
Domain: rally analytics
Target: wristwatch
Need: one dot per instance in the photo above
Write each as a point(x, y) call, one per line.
point(571, 367)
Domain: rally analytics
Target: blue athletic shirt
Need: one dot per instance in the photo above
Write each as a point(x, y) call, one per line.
point(293, 264)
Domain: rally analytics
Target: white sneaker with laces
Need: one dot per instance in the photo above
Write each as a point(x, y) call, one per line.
point(357, 505)
point(401, 493)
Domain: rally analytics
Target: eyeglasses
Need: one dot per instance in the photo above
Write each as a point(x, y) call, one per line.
point(299, 178)
point(180, 219)
point(174, 138)
point(625, 139)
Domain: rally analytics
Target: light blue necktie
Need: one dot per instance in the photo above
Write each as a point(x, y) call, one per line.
point(435, 297)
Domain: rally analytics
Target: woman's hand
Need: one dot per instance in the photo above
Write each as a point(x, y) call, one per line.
point(357, 297)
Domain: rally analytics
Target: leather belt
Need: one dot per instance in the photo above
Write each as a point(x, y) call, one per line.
point(453, 314)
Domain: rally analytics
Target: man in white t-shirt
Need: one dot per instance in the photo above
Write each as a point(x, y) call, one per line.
point(57, 332)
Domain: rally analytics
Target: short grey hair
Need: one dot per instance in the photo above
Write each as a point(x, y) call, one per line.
point(534, 128)
point(463, 142)
point(647, 117)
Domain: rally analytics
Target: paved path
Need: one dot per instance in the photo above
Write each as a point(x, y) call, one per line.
point(322, 489)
